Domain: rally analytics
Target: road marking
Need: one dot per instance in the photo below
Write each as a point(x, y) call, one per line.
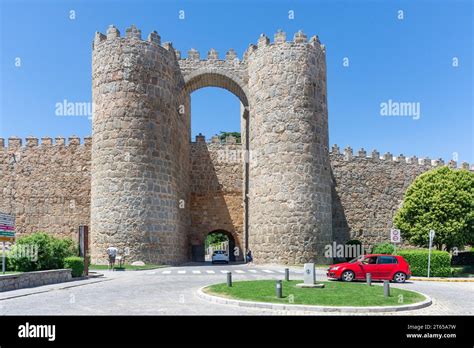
point(224, 271)
point(239, 271)
point(211, 272)
point(281, 271)
point(166, 272)
point(150, 272)
point(252, 270)
point(267, 271)
point(181, 272)
point(197, 272)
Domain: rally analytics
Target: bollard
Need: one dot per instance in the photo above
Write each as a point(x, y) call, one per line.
point(279, 289)
point(368, 277)
point(386, 288)
point(229, 279)
point(287, 274)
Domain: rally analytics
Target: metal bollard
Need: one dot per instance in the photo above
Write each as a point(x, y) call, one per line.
point(229, 279)
point(386, 288)
point(368, 277)
point(279, 289)
point(287, 274)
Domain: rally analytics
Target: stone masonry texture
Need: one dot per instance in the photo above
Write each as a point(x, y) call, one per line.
point(144, 187)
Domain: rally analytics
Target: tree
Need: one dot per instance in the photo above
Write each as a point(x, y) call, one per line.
point(214, 238)
point(441, 200)
point(224, 135)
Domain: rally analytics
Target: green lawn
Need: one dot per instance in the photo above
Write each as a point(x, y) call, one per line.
point(126, 267)
point(333, 294)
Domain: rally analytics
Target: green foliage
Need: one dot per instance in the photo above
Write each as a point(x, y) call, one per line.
point(224, 135)
point(51, 252)
point(215, 238)
point(441, 200)
point(440, 264)
point(383, 248)
point(76, 263)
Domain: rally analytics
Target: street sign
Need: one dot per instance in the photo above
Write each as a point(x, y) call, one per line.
point(395, 236)
point(432, 234)
point(7, 234)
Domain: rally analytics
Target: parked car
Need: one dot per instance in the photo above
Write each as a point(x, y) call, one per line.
point(381, 267)
point(220, 256)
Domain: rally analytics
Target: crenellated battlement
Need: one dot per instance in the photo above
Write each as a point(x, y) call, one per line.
point(132, 34)
point(280, 38)
point(347, 154)
point(229, 140)
point(15, 143)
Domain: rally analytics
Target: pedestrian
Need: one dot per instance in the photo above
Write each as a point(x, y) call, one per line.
point(112, 252)
point(249, 257)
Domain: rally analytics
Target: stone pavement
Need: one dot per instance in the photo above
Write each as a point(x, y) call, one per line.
point(172, 291)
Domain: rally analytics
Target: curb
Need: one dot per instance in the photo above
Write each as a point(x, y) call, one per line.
point(454, 280)
point(309, 308)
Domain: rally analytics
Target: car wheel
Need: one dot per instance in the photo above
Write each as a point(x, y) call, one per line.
point(399, 277)
point(347, 276)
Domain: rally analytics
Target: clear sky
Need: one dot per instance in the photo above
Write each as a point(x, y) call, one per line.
point(425, 58)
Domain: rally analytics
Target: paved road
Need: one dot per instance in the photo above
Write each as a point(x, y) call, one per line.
point(172, 291)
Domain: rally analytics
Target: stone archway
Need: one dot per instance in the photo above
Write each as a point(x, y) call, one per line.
point(216, 209)
point(231, 240)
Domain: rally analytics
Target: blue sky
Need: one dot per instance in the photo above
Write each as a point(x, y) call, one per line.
point(408, 60)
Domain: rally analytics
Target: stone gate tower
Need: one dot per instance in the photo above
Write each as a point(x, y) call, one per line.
point(140, 168)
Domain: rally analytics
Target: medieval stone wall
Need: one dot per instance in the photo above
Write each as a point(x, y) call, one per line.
point(368, 190)
point(216, 189)
point(46, 184)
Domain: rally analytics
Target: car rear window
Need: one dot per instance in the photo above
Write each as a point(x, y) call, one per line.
point(386, 260)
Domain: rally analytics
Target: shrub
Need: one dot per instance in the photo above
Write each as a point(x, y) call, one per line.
point(383, 248)
point(75, 263)
point(45, 252)
point(440, 265)
point(463, 258)
point(441, 200)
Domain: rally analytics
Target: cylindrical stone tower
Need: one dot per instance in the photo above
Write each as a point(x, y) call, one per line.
point(290, 183)
point(140, 150)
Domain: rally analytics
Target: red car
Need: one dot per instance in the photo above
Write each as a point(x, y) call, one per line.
point(381, 267)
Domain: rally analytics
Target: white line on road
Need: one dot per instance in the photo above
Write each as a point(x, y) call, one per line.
point(166, 272)
point(224, 271)
point(252, 270)
point(211, 272)
point(267, 271)
point(150, 272)
point(197, 272)
point(281, 271)
point(239, 271)
point(181, 272)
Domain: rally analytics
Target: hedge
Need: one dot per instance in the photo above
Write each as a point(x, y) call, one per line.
point(76, 263)
point(440, 265)
point(383, 248)
point(463, 258)
point(49, 252)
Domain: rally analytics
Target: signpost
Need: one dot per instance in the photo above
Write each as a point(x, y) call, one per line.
point(431, 235)
point(395, 238)
point(84, 246)
point(7, 234)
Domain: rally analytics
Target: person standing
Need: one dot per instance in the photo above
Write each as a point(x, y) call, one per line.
point(112, 252)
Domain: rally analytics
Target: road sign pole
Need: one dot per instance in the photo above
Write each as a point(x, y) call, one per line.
point(431, 235)
point(3, 258)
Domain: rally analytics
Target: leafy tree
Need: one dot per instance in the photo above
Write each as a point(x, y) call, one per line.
point(441, 200)
point(214, 238)
point(224, 135)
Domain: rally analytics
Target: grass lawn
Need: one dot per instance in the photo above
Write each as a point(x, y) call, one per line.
point(333, 294)
point(10, 272)
point(126, 267)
